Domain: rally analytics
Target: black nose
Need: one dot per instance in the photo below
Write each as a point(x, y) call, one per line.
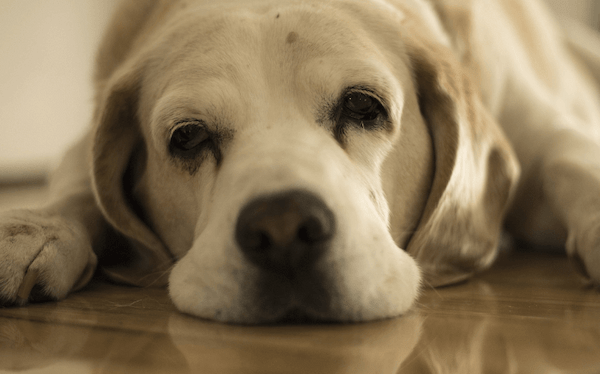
point(286, 232)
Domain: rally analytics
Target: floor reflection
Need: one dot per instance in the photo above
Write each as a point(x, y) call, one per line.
point(28, 345)
point(379, 347)
point(486, 344)
point(512, 333)
point(182, 344)
point(85, 345)
point(474, 328)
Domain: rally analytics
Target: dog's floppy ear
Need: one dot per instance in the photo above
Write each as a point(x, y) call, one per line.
point(475, 171)
point(118, 151)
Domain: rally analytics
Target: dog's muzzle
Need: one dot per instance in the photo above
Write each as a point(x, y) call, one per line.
point(285, 233)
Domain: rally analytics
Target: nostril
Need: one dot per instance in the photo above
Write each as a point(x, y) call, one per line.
point(284, 231)
point(264, 241)
point(306, 234)
point(255, 239)
point(314, 230)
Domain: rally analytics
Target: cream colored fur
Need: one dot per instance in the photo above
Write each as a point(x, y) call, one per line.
point(463, 83)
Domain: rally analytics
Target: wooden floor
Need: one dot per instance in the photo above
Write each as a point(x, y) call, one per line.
point(529, 314)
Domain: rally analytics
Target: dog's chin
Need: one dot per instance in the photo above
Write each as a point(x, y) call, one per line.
point(299, 315)
point(293, 298)
point(320, 294)
point(295, 314)
point(261, 297)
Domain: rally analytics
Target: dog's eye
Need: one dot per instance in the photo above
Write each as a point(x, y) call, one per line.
point(361, 107)
point(188, 138)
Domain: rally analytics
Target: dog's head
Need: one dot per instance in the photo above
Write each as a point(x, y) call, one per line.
point(290, 156)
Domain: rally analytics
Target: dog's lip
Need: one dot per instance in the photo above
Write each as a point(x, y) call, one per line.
point(300, 299)
point(297, 312)
point(298, 315)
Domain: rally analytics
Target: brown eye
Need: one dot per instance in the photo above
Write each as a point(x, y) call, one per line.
point(361, 107)
point(189, 139)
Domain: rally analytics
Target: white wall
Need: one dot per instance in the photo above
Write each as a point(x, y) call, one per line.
point(46, 53)
point(47, 49)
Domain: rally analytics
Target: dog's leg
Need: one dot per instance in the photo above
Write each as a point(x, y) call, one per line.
point(45, 253)
point(571, 182)
point(547, 104)
point(558, 199)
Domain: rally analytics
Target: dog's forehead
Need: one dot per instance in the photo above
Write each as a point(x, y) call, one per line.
point(232, 43)
point(226, 61)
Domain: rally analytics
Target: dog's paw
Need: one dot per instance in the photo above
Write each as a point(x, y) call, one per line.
point(42, 256)
point(583, 247)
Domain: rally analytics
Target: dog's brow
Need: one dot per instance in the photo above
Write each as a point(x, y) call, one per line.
point(173, 109)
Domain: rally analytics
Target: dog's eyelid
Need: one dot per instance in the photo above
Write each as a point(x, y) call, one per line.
point(369, 91)
point(186, 122)
point(363, 90)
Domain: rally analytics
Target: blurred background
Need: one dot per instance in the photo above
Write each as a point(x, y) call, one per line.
point(47, 49)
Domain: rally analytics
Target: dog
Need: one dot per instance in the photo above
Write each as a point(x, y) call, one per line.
point(316, 160)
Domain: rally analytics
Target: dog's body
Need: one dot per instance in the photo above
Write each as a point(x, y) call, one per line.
point(285, 153)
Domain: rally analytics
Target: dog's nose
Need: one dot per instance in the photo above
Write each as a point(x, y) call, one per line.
point(286, 232)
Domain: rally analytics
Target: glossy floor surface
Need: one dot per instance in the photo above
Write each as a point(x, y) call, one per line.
point(528, 314)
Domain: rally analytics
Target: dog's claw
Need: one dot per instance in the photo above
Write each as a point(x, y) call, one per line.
point(29, 281)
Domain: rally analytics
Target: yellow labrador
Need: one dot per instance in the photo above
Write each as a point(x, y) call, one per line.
point(279, 159)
